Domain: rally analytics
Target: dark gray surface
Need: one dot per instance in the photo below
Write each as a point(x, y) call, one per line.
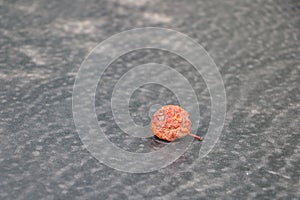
point(255, 44)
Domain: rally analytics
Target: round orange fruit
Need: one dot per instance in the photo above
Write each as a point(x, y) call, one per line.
point(171, 122)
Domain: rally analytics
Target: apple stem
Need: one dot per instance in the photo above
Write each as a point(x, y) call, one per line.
point(196, 136)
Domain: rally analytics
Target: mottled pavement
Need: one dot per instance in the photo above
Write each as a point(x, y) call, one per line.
point(255, 44)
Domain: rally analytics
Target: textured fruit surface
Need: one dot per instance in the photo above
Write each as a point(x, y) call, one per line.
point(171, 122)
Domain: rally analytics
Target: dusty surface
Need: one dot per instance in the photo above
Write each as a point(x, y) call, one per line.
point(255, 45)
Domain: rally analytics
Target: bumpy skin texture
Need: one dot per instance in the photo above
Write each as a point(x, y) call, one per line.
point(171, 122)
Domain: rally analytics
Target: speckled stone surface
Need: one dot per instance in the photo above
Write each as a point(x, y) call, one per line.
point(255, 44)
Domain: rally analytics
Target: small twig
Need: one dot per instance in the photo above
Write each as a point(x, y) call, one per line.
point(196, 136)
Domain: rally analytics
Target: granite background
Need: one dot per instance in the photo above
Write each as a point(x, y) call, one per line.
point(255, 44)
